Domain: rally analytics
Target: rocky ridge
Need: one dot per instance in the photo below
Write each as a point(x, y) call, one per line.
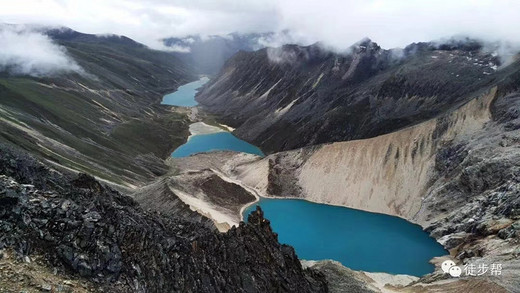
point(294, 96)
point(86, 230)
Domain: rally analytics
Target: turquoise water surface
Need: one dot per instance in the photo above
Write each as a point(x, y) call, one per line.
point(185, 95)
point(220, 141)
point(359, 240)
point(215, 142)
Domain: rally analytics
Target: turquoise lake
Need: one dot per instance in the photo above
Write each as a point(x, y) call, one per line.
point(219, 141)
point(359, 240)
point(185, 94)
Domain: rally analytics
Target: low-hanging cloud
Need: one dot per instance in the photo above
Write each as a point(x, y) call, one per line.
point(25, 51)
point(337, 23)
point(177, 48)
point(279, 55)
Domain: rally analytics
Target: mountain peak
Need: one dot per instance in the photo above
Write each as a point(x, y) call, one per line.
point(365, 45)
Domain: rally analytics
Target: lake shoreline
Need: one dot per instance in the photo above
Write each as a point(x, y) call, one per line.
point(203, 136)
point(320, 224)
point(201, 128)
point(184, 95)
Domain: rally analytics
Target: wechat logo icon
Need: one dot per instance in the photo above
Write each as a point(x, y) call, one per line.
point(449, 267)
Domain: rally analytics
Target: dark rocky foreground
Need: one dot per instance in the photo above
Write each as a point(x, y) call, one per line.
point(83, 229)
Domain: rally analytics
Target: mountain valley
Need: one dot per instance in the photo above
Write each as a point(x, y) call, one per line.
point(93, 199)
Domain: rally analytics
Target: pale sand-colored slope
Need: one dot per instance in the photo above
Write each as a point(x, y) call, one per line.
point(222, 220)
point(192, 169)
point(386, 174)
point(199, 128)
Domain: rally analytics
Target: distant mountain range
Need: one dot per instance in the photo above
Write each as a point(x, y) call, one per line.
point(294, 96)
point(208, 54)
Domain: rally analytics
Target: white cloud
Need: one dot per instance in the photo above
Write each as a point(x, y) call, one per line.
point(396, 23)
point(338, 23)
point(176, 48)
point(27, 52)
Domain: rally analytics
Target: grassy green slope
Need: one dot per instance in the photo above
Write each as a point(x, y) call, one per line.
point(107, 122)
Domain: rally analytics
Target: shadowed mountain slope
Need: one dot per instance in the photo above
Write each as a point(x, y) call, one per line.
point(293, 96)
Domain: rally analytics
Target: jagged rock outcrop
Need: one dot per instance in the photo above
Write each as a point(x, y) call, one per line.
point(83, 228)
point(293, 96)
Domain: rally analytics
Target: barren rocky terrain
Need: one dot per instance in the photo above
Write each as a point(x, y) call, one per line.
point(80, 229)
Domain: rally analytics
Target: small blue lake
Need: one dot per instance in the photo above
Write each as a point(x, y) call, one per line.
point(220, 141)
point(359, 240)
point(185, 94)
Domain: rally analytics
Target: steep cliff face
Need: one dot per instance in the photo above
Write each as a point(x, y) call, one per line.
point(105, 121)
point(387, 174)
point(290, 97)
point(466, 151)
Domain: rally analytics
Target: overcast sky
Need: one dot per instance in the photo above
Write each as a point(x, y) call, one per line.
point(339, 23)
